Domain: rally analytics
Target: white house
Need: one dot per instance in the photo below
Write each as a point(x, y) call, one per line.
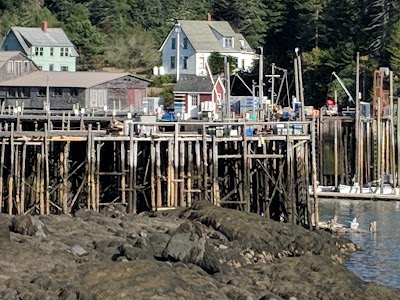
point(189, 44)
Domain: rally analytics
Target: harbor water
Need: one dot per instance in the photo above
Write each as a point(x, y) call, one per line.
point(380, 260)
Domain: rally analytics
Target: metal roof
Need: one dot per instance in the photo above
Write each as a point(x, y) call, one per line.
point(65, 79)
point(32, 36)
point(194, 84)
point(203, 36)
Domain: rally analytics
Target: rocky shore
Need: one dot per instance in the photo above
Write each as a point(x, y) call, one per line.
point(203, 252)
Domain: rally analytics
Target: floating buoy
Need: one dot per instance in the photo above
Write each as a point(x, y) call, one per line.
point(354, 225)
point(372, 226)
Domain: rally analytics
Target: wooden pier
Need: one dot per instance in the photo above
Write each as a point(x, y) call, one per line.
point(59, 162)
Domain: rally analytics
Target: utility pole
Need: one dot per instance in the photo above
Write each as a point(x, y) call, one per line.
point(261, 78)
point(227, 88)
point(178, 31)
point(272, 84)
point(253, 93)
point(296, 81)
point(273, 76)
point(301, 89)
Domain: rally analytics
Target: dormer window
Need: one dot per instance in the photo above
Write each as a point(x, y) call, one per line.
point(228, 42)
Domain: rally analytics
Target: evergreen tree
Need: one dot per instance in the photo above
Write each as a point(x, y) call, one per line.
point(135, 49)
point(87, 39)
point(394, 48)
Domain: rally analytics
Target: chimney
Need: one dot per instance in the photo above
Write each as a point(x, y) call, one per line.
point(44, 26)
point(209, 17)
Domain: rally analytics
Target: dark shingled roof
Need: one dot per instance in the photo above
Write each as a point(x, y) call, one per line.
point(194, 84)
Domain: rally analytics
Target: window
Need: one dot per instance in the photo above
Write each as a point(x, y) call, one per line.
point(27, 92)
point(185, 43)
point(64, 68)
point(62, 52)
point(51, 51)
point(36, 50)
point(173, 43)
point(173, 62)
point(12, 93)
point(66, 51)
point(18, 67)
point(185, 62)
point(51, 67)
point(10, 67)
point(18, 93)
point(26, 66)
point(57, 92)
point(41, 51)
point(228, 42)
point(243, 63)
point(73, 92)
point(201, 63)
point(42, 92)
point(195, 100)
point(40, 68)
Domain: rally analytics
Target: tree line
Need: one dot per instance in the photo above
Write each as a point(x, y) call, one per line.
point(128, 33)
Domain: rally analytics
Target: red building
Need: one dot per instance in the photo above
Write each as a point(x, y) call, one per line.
point(194, 94)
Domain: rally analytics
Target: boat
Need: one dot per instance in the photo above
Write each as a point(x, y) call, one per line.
point(347, 189)
point(385, 189)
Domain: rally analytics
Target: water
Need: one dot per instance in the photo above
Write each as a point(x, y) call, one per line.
point(380, 262)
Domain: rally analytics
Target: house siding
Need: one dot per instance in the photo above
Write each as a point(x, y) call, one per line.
point(118, 90)
point(6, 75)
point(111, 92)
point(245, 59)
point(66, 100)
point(218, 90)
point(168, 52)
point(56, 59)
point(11, 43)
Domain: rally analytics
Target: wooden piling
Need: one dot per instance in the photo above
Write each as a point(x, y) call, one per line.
point(23, 161)
point(11, 176)
point(182, 174)
point(123, 176)
point(131, 157)
point(46, 168)
point(158, 175)
point(2, 158)
point(152, 174)
point(189, 174)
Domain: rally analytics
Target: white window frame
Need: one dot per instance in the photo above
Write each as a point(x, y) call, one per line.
point(202, 62)
point(195, 100)
point(26, 66)
point(62, 51)
point(228, 42)
point(10, 67)
point(172, 62)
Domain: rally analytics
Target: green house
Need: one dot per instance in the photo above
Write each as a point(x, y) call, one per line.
point(49, 48)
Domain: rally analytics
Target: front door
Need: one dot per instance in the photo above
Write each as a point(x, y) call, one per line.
point(135, 97)
point(193, 106)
